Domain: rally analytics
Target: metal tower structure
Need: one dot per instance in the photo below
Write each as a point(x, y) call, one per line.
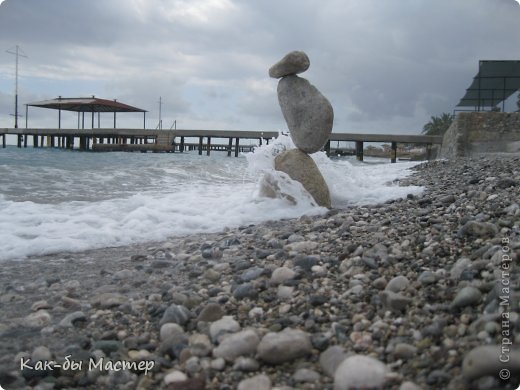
point(17, 53)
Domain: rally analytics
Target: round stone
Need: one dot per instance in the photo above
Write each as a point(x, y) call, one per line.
point(290, 344)
point(360, 371)
point(293, 63)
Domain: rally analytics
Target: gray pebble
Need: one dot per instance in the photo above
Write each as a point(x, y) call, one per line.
point(211, 312)
point(399, 283)
point(258, 382)
point(281, 275)
point(177, 314)
point(239, 344)
point(468, 296)
point(245, 290)
point(72, 319)
point(394, 301)
point(427, 277)
point(287, 345)
point(222, 327)
point(485, 361)
point(246, 364)
point(306, 375)
point(360, 371)
point(478, 229)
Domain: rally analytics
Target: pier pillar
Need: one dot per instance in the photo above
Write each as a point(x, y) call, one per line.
point(25, 141)
point(3, 141)
point(19, 141)
point(230, 146)
point(237, 146)
point(393, 153)
point(359, 150)
point(181, 147)
point(428, 152)
point(35, 141)
point(49, 142)
point(200, 146)
point(52, 142)
point(327, 148)
point(209, 146)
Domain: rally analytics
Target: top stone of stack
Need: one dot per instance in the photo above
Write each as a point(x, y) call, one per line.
point(293, 63)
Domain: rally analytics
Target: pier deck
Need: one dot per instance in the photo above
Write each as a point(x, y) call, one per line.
point(144, 140)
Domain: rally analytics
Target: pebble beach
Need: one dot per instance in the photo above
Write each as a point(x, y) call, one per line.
point(420, 292)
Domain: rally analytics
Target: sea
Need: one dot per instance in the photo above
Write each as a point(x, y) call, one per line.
point(54, 200)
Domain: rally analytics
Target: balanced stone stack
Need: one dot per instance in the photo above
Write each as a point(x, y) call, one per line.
point(309, 116)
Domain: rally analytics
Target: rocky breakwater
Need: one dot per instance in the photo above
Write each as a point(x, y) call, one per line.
point(309, 116)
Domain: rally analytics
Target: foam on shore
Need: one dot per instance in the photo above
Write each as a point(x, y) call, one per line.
point(78, 201)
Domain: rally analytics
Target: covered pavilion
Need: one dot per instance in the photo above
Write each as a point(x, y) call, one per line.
point(82, 105)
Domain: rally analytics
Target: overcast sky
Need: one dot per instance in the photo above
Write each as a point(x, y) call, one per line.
point(386, 66)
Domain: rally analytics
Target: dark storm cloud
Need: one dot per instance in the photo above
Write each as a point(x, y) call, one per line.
point(382, 64)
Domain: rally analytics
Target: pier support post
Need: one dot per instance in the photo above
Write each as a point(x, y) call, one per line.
point(52, 141)
point(25, 141)
point(359, 150)
point(3, 141)
point(19, 141)
point(181, 146)
point(237, 146)
point(230, 146)
point(209, 146)
point(393, 153)
point(327, 148)
point(200, 146)
point(428, 152)
point(35, 141)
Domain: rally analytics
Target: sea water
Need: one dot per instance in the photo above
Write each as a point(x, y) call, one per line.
point(54, 200)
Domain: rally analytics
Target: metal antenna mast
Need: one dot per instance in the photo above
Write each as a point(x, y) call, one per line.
point(17, 53)
point(160, 112)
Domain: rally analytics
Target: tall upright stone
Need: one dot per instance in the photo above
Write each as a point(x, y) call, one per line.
point(309, 115)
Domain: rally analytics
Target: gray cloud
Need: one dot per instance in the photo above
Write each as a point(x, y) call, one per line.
point(384, 65)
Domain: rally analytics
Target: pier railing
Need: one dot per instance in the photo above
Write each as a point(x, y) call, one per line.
point(178, 140)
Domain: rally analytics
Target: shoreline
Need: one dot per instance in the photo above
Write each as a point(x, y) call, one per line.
point(382, 281)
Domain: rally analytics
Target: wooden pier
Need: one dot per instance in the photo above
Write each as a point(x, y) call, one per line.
point(144, 140)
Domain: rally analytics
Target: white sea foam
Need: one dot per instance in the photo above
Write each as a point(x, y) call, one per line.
point(76, 201)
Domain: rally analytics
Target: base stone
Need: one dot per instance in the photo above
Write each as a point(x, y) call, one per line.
point(302, 168)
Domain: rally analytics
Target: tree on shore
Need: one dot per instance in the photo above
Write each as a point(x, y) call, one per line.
point(438, 124)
